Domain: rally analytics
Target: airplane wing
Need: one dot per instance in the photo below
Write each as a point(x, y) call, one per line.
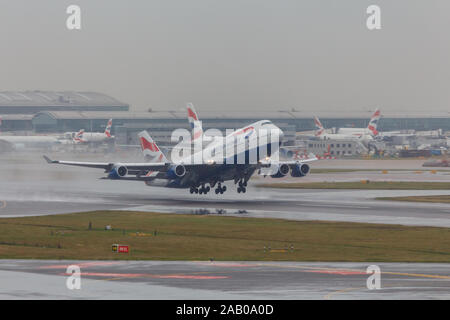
point(140, 169)
point(107, 166)
point(132, 168)
point(162, 166)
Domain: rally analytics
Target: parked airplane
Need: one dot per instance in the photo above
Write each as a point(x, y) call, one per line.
point(244, 152)
point(370, 130)
point(360, 134)
point(94, 137)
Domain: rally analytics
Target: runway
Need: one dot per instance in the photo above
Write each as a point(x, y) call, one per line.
point(32, 187)
point(33, 279)
point(29, 186)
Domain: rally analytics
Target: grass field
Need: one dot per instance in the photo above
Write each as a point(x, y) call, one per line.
point(368, 185)
point(157, 236)
point(432, 199)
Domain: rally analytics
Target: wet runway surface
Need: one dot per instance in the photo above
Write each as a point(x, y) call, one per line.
point(221, 280)
point(32, 187)
point(29, 186)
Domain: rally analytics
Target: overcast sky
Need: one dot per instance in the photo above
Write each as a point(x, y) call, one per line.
point(314, 55)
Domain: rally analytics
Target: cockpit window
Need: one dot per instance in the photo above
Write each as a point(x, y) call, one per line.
point(266, 122)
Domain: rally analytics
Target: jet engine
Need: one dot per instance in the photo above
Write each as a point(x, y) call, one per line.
point(283, 170)
point(176, 171)
point(300, 170)
point(117, 172)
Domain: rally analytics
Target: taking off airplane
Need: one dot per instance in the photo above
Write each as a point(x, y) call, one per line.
point(235, 157)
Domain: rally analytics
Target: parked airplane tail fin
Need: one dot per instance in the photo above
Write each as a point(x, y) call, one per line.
point(319, 127)
point(79, 136)
point(108, 128)
point(373, 123)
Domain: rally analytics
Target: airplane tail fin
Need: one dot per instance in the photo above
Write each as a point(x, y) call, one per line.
point(151, 151)
point(373, 123)
point(319, 127)
point(108, 128)
point(78, 136)
point(194, 122)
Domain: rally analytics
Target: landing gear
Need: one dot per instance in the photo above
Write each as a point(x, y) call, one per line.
point(193, 190)
point(220, 189)
point(242, 186)
point(203, 190)
point(241, 189)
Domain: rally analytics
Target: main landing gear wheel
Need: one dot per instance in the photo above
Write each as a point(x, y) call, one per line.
point(204, 190)
point(241, 189)
point(193, 190)
point(242, 186)
point(220, 189)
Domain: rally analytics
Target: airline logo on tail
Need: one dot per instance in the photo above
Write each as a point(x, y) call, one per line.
point(319, 127)
point(79, 136)
point(151, 151)
point(374, 122)
point(108, 128)
point(194, 122)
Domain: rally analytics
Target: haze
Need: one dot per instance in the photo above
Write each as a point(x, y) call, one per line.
point(235, 54)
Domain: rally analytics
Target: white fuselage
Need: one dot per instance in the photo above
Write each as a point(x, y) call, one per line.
point(255, 135)
point(354, 131)
point(338, 136)
point(89, 137)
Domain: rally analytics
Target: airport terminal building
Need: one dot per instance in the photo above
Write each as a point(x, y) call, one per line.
point(18, 108)
point(70, 111)
point(32, 102)
point(160, 124)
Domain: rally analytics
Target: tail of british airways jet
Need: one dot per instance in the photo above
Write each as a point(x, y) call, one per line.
point(149, 148)
point(372, 127)
point(194, 122)
point(78, 138)
point(108, 128)
point(319, 127)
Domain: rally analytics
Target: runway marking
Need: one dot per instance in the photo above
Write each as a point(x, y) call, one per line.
point(340, 272)
point(81, 265)
point(355, 271)
point(215, 264)
point(117, 276)
point(417, 275)
point(328, 296)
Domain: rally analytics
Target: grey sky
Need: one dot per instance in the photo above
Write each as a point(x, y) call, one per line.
point(237, 54)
